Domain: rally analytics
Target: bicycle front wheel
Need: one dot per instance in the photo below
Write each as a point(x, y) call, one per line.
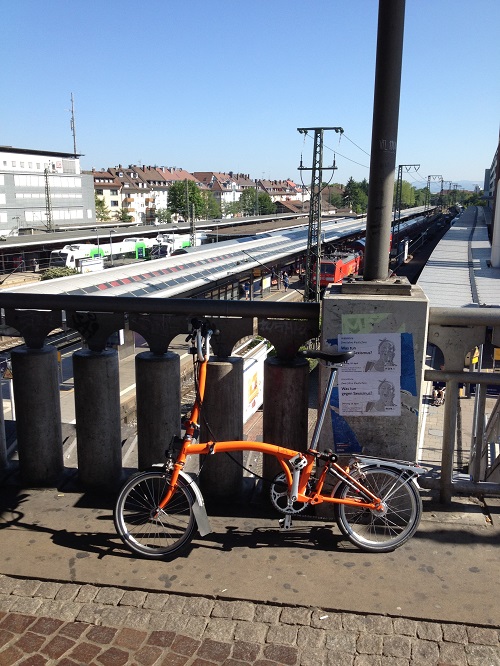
point(376, 531)
point(143, 527)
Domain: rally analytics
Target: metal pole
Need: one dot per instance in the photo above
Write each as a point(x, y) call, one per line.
point(384, 137)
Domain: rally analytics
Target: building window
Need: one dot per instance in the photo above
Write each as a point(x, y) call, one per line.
point(13, 164)
point(114, 203)
point(114, 193)
point(99, 192)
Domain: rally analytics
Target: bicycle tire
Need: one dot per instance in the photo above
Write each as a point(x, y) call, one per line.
point(147, 532)
point(372, 531)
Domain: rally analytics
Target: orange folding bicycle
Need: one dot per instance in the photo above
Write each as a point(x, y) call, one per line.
point(377, 504)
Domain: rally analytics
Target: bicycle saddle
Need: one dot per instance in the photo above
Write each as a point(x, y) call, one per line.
point(333, 357)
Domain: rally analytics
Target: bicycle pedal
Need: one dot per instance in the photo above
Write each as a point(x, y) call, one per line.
point(285, 523)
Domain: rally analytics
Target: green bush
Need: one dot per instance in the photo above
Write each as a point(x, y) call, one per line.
point(52, 273)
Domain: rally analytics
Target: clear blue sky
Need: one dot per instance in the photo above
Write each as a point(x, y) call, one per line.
point(224, 85)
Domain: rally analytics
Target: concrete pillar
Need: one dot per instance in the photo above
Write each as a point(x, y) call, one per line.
point(38, 415)
point(372, 318)
point(286, 401)
point(223, 410)
point(158, 396)
point(97, 411)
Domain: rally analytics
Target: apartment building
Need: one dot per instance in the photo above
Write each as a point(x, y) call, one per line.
point(43, 190)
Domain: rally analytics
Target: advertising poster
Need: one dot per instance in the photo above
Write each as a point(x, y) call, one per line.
point(370, 383)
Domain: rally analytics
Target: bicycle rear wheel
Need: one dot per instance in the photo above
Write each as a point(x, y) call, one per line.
point(375, 531)
point(148, 531)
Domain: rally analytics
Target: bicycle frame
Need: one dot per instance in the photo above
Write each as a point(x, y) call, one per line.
point(297, 467)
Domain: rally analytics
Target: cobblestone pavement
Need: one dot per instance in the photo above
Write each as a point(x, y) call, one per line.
point(45, 623)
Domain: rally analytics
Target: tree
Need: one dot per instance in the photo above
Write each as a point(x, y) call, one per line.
point(183, 193)
point(101, 210)
point(123, 215)
point(163, 215)
point(211, 208)
point(232, 208)
point(355, 197)
point(254, 202)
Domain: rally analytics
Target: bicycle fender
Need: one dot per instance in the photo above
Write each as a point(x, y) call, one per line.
point(199, 509)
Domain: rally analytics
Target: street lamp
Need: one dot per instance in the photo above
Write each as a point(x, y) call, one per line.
point(111, 231)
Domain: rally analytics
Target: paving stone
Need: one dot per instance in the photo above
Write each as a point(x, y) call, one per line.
point(86, 594)
point(404, 626)
point(198, 606)
point(424, 651)
point(47, 590)
point(253, 632)
point(482, 635)
point(195, 627)
point(130, 638)
point(245, 651)
point(482, 655)
point(369, 643)
point(309, 637)
point(135, 618)
point(101, 635)
point(6, 602)
point(367, 660)
point(17, 622)
point(67, 592)
point(26, 605)
point(155, 601)
point(161, 639)
point(64, 610)
point(342, 641)
point(452, 653)
point(223, 609)
point(148, 655)
point(26, 588)
point(296, 616)
point(265, 613)
point(284, 634)
point(109, 596)
point(337, 658)
point(113, 657)
point(85, 652)
point(185, 645)
point(30, 642)
point(7, 584)
point(114, 616)
point(455, 633)
point(430, 631)
point(214, 650)
point(174, 604)
point(46, 626)
point(10, 655)
point(323, 620)
point(397, 646)
point(73, 629)
point(57, 646)
point(281, 654)
point(220, 629)
point(311, 657)
point(243, 610)
point(134, 598)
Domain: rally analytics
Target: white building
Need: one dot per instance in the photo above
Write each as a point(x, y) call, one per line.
point(44, 190)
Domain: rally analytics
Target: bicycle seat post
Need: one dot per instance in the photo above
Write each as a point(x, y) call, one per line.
point(324, 407)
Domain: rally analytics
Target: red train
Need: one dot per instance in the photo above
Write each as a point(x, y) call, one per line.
point(334, 269)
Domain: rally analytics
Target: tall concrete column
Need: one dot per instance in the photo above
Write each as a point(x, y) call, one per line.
point(38, 415)
point(158, 396)
point(286, 399)
point(97, 410)
point(223, 410)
